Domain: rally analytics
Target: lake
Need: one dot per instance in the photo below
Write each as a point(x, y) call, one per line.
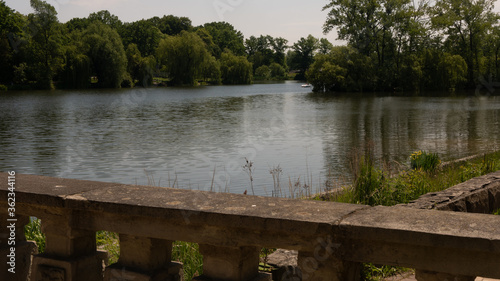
point(200, 138)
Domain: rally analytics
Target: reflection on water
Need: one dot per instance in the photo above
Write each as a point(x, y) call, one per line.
point(188, 137)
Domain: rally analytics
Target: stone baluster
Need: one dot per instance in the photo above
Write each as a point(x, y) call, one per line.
point(70, 253)
point(144, 259)
point(323, 263)
point(231, 264)
point(423, 275)
point(15, 252)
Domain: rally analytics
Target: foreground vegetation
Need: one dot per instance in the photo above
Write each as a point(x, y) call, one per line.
point(376, 186)
point(379, 186)
point(371, 185)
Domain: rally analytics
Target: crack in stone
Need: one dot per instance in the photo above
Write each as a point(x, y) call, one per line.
point(342, 218)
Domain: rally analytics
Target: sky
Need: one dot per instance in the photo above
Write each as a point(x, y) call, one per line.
point(290, 19)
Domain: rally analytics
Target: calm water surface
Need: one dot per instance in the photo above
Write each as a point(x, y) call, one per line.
point(199, 138)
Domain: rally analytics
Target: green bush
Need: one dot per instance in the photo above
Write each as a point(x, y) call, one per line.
point(33, 232)
point(428, 162)
point(3, 88)
point(263, 73)
point(278, 72)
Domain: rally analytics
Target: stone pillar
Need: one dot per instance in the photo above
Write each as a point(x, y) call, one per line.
point(423, 275)
point(15, 252)
point(70, 253)
point(231, 264)
point(144, 259)
point(324, 263)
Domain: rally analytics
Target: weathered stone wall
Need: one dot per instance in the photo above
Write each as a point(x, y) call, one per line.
point(331, 239)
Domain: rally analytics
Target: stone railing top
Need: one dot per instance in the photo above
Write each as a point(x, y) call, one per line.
point(161, 202)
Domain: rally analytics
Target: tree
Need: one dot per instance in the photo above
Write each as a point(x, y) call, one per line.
point(263, 73)
point(134, 60)
point(226, 37)
point(147, 69)
point(278, 72)
point(280, 46)
point(325, 75)
point(183, 57)
point(105, 49)
point(260, 52)
point(142, 33)
point(45, 45)
point(77, 68)
point(356, 21)
point(343, 69)
point(454, 69)
point(304, 53)
point(172, 25)
point(384, 27)
point(77, 24)
point(10, 27)
point(106, 18)
point(211, 71)
point(465, 23)
point(235, 69)
point(491, 50)
point(325, 46)
point(208, 40)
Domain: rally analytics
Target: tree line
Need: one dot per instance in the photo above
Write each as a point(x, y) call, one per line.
point(409, 45)
point(39, 52)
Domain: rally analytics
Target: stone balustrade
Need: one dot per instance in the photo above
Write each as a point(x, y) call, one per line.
point(332, 239)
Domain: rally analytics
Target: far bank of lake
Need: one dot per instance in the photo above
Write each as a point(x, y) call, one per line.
point(199, 137)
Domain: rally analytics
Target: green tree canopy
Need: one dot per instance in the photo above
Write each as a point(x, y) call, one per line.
point(343, 69)
point(325, 46)
point(225, 36)
point(304, 52)
point(278, 72)
point(105, 49)
point(142, 33)
point(77, 24)
point(235, 69)
point(77, 68)
point(45, 44)
point(183, 57)
point(263, 73)
point(325, 75)
point(280, 46)
point(172, 25)
point(465, 23)
point(10, 31)
point(106, 18)
point(260, 51)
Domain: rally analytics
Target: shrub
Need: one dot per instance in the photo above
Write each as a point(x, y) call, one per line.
point(263, 73)
point(33, 232)
point(3, 88)
point(278, 72)
point(428, 162)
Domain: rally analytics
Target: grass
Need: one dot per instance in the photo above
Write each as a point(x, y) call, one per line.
point(189, 255)
point(375, 186)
